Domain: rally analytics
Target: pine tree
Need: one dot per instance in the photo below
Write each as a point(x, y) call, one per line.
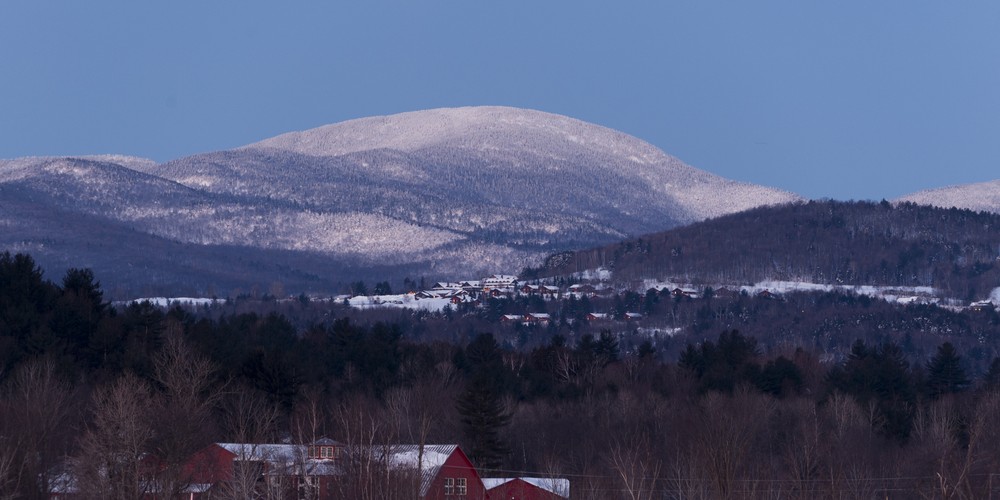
point(945, 374)
point(484, 415)
point(481, 406)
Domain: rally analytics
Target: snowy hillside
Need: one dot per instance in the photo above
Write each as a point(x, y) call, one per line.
point(983, 196)
point(436, 193)
point(535, 142)
point(527, 180)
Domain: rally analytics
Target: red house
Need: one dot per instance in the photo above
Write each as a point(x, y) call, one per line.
point(245, 469)
point(526, 488)
point(445, 472)
point(323, 470)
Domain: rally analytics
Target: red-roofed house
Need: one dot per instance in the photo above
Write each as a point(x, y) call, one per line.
point(324, 469)
point(445, 472)
point(526, 488)
point(244, 469)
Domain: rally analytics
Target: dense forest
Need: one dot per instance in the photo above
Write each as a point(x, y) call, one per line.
point(88, 387)
point(859, 243)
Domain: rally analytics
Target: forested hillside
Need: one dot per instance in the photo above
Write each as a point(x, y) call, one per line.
point(983, 196)
point(435, 193)
point(84, 384)
point(855, 243)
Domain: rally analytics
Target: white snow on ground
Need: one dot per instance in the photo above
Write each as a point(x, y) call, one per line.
point(594, 274)
point(660, 332)
point(995, 296)
point(891, 293)
point(405, 301)
point(171, 301)
point(900, 294)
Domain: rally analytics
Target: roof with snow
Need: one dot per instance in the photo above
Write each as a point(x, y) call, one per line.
point(267, 452)
point(555, 485)
point(284, 456)
point(408, 456)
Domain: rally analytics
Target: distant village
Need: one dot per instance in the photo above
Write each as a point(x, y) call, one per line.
point(503, 286)
point(498, 286)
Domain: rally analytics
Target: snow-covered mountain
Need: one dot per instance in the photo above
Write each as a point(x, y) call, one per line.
point(436, 193)
point(565, 154)
point(524, 180)
point(981, 197)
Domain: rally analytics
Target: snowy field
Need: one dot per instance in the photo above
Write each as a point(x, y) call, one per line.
point(404, 301)
point(172, 301)
point(900, 294)
point(904, 294)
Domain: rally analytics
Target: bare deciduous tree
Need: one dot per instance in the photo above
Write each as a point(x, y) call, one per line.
point(110, 463)
point(249, 418)
point(368, 472)
point(37, 420)
point(183, 408)
point(635, 465)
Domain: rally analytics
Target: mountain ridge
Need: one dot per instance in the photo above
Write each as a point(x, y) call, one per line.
point(956, 251)
point(979, 196)
point(445, 192)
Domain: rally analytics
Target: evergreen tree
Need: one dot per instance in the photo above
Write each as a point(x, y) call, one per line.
point(483, 413)
point(26, 303)
point(945, 374)
point(780, 377)
point(383, 288)
point(606, 348)
point(881, 375)
point(721, 367)
point(483, 417)
point(992, 377)
point(80, 310)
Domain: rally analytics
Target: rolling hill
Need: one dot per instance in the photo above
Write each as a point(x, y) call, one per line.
point(982, 196)
point(438, 193)
point(954, 251)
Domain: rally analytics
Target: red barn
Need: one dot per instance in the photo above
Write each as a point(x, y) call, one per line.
point(526, 488)
point(323, 470)
point(445, 472)
point(242, 469)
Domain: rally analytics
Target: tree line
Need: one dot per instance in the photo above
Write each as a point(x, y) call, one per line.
point(92, 390)
point(860, 243)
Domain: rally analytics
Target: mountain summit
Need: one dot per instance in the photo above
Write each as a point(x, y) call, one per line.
point(568, 154)
point(981, 196)
point(442, 192)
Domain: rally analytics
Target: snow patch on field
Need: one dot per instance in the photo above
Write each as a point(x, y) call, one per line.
point(886, 292)
point(899, 294)
point(600, 273)
point(404, 301)
point(654, 332)
point(174, 301)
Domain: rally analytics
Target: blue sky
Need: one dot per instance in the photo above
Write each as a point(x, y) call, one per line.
point(846, 100)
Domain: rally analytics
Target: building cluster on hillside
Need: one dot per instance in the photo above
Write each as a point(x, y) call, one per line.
point(326, 470)
point(500, 286)
point(506, 286)
point(982, 306)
